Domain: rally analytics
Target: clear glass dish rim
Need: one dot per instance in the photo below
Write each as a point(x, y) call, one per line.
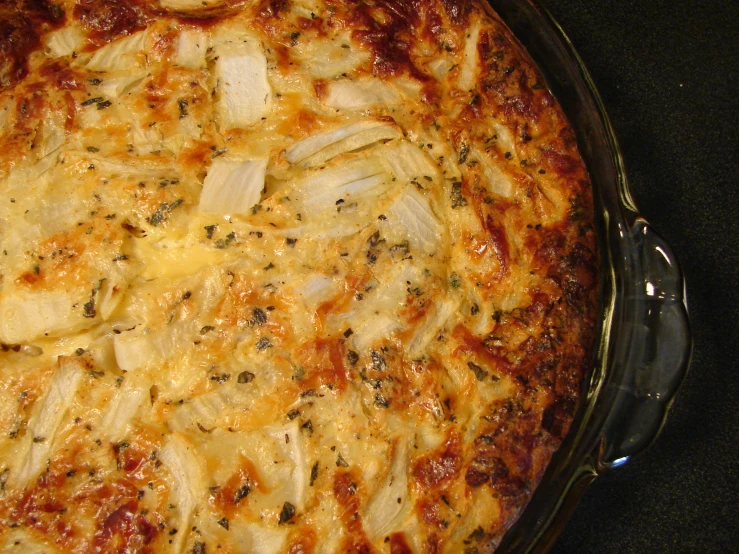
point(642, 302)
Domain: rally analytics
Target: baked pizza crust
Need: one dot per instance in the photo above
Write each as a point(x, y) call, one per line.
point(306, 276)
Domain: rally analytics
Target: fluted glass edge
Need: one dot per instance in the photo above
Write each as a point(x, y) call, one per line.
point(644, 345)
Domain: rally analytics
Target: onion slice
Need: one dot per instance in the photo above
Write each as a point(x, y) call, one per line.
point(412, 218)
point(319, 148)
point(123, 407)
point(233, 187)
point(187, 474)
point(123, 54)
point(191, 47)
point(390, 504)
point(362, 93)
point(244, 91)
point(39, 438)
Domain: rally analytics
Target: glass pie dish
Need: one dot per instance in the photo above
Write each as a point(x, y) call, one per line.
point(643, 346)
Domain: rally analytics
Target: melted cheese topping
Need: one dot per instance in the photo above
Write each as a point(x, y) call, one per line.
point(273, 283)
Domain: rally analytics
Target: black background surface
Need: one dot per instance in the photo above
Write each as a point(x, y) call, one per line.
point(668, 73)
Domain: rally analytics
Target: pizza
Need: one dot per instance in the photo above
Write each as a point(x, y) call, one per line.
point(282, 276)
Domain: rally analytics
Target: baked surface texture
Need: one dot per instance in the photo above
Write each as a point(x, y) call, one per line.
point(282, 276)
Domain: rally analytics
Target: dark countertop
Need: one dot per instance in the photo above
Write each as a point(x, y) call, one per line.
point(668, 71)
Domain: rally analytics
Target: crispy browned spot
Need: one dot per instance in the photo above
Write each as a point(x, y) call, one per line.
point(398, 544)
point(323, 361)
point(22, 23)
point(345, 490)
point(107, 20)
point(441, 465)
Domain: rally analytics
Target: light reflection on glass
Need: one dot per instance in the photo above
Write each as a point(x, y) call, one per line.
point(619, 462)
point(664, 254)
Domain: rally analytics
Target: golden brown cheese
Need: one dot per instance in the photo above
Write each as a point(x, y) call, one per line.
point(282, 276)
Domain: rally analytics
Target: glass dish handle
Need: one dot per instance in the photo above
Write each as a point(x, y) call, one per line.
point(654, 348)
